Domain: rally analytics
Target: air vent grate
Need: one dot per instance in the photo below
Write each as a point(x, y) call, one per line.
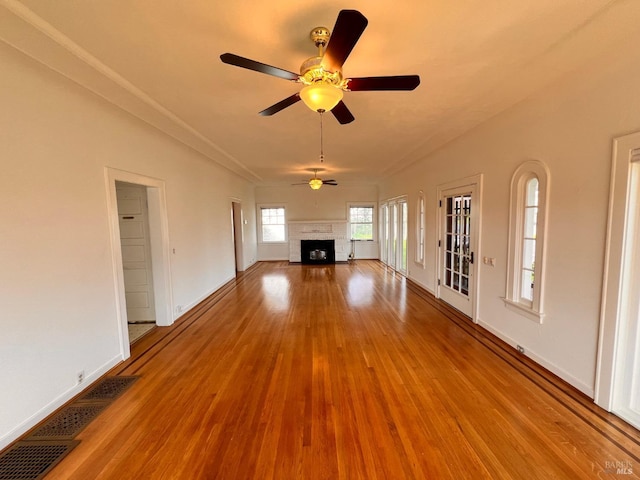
point(108, 389)
point(32, 460)
point(68, 422)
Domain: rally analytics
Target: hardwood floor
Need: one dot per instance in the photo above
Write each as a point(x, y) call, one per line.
point(341, 372)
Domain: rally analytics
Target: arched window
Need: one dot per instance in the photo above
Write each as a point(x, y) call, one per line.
point(527, 228)
point(420, 229)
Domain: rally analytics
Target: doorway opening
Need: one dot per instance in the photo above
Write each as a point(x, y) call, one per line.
point(237, 230)
point(152, 274)
point(135, 245)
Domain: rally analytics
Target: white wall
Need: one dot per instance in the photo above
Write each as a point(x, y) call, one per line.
point(569, 126)
point(56, 277)
point(328, 203)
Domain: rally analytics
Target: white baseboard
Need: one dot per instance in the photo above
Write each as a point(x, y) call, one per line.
point(422, 285)
point(567, 377)
point(188, 307)
point(52, 406)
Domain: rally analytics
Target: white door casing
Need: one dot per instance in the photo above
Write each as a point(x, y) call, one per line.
point(160, 250)
point(617, 387)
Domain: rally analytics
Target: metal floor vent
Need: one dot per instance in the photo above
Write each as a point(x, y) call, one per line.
point(40, 451)
point(108, 389)
point(32, 460)
point(67, 423)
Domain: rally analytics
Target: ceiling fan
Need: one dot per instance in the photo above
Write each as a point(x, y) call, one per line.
point(315, 183)
point(321, 75)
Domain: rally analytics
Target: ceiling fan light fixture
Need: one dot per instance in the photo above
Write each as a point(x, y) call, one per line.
point(315, 183)
point(321, 96)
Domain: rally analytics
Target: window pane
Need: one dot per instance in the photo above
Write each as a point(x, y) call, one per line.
point(273, 233)
point(532, 193)
point(526, 290)
point(273, 224)
point(361, 220)
point(361, 231)
point(530, 222)
point(528, 253)
point(464, 288)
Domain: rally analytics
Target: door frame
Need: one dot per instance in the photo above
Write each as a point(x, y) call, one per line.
point(615, 285)
point(237, 232)
point(160, 250)
point(475, 182)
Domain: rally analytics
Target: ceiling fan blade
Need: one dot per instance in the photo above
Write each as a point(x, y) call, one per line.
point(346, 32)
point(238, 61)
point(281, 105)
point(342, 113)
point(398, 82)
point(330, 182)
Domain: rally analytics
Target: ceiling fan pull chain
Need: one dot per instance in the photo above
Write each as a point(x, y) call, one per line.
point(321, 140)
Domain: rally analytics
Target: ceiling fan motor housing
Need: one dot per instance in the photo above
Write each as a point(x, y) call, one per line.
point(311, 72)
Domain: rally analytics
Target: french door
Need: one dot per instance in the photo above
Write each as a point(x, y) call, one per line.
point(394, 234)
point(457, 280)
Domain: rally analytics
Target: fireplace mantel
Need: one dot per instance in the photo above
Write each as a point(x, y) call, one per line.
point(318, 230)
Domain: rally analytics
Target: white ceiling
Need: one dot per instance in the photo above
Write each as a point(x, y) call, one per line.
point(159, 60)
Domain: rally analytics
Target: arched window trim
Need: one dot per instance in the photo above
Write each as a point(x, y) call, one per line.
point(533, 310)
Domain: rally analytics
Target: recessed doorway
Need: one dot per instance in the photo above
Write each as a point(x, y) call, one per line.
point(135, 244)
point(158, 274)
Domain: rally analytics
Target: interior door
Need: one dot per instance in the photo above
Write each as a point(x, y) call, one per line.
point(627, 385)
point(456, 246)
point(136, 252)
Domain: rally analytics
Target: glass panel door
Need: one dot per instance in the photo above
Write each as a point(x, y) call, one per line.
point(457, 240)
point(456, 248)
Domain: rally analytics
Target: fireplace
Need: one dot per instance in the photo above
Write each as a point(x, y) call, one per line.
point(314, 252)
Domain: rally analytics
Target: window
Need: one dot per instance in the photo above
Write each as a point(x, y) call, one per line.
point(527, 226)
point(530, 218)
point(361, 222)
point(420, 229)
point(272, 224)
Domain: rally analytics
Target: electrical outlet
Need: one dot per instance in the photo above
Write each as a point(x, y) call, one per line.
point(179, 309)
point(81, 376)
point(520, 349)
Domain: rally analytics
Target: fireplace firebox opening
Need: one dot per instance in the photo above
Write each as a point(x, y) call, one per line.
point(317, 252)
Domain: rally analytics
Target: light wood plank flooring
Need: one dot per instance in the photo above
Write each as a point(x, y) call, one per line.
point(341, 372)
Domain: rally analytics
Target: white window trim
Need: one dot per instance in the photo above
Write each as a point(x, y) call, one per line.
point(259, 208)
point(374, 207)
point(526, 171)
point(420, 230)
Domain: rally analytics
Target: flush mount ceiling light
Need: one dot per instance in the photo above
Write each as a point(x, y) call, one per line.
point(324, 85)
